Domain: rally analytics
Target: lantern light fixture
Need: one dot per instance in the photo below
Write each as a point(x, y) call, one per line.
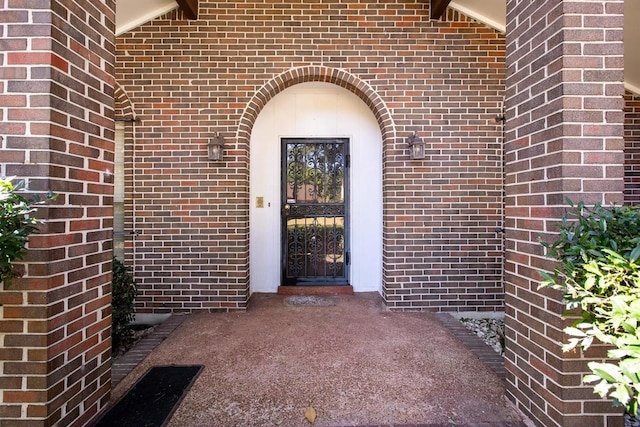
point(500, 116)
point(416, 146)
point(215, 148)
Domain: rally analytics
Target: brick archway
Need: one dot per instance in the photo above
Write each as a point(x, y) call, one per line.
point(124, 107)
point(315, 73)
point(338, 77)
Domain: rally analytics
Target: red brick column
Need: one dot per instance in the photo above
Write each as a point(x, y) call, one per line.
point(56, 130)
point(564, 138)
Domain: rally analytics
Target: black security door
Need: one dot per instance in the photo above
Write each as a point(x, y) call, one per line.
point(314, 211)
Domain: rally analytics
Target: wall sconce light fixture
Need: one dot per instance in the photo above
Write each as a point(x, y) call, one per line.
point(215, 148)
point(500, 117)
point(416, 146)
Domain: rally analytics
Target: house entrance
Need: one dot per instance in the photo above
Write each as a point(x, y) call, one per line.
point(325, 123)
point(315, 188)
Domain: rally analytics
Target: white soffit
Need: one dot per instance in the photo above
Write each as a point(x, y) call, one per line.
point(493, 13)
point(133, 13)
point(490, 12)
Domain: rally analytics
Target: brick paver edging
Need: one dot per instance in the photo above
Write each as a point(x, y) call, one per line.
point(482, 350)
point(121, 367)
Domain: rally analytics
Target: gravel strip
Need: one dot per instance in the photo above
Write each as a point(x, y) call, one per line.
point(631, 422)
point(490, 330)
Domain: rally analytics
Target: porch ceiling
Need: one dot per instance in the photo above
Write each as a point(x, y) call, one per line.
point(131, 14)
point(493, 13)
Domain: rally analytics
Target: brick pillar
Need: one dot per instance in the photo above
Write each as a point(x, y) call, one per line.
point(564, 138)
point(56, 130)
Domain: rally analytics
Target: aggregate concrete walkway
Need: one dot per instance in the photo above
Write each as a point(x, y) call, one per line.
point(348, 357)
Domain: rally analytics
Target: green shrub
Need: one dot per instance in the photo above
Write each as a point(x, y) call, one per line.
point(599, 275)
point(123, 294)
point(16, 225)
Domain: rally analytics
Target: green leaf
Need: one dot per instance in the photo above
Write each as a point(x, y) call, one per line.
point(590, 378)
point(602, 388)
point(630, 368)
point(586, 343)
point(590, 283)
point(629, 326)
point(573, 343)
point(621, 393)
point(606, 371)
point(574, 332)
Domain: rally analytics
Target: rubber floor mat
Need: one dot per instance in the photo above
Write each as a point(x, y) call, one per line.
point(153, 399)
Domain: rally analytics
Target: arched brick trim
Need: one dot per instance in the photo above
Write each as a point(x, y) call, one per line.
point(124, 110)
point(124, 107)
point(315, 73)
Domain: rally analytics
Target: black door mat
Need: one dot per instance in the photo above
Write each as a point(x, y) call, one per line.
point(153, 398)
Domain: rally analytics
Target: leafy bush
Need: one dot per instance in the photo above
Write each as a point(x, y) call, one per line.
point(599, 275)
point(123, 294)
point(15, 226)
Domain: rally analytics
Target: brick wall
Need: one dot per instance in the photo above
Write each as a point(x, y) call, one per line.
point(190, 79)
point(632, 149)
point(56, 129)
point(564, 138)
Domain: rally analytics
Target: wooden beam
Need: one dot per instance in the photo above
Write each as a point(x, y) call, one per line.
point(438, 8)
point(190, 8)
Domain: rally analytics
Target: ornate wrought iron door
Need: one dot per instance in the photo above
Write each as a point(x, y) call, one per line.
point(314, 211)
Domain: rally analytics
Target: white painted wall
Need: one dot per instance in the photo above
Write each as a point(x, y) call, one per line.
point(317, 110)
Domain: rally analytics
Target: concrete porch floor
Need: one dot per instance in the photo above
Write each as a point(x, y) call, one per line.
point(347, 356)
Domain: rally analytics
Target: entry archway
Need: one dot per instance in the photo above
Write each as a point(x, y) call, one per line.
point(312, 110)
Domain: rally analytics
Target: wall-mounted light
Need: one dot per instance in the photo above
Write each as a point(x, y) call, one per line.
point(416, 146)
point(215, 148)
point(500, 117)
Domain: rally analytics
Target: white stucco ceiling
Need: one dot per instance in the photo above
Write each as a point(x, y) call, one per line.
point(132, 13)
point(493, 12)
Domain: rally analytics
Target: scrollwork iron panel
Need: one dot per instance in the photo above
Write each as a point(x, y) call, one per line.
point(306, 211)
point(315, 247)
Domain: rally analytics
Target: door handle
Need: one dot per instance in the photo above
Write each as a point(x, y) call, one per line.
point(287, 207)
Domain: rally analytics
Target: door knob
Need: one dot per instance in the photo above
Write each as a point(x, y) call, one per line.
point(287, 207)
